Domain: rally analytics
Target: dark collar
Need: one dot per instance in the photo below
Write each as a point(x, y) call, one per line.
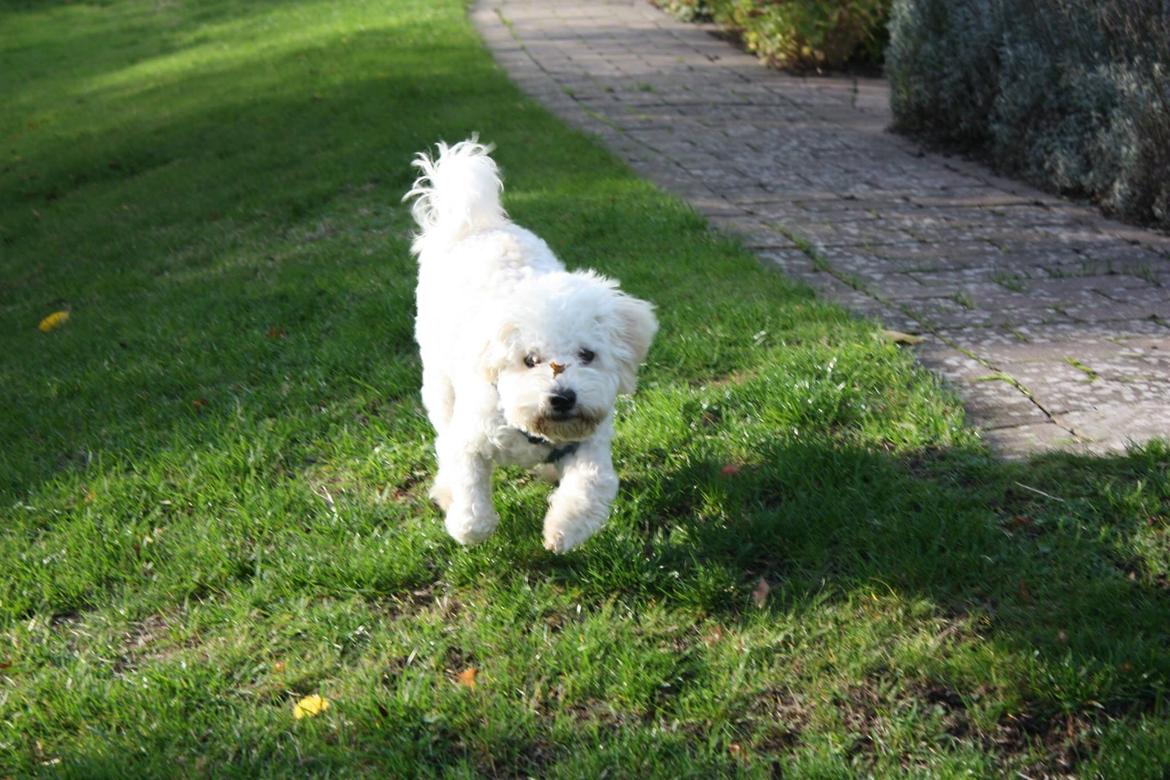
point(557, 452)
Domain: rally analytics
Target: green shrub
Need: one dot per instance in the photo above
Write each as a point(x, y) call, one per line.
point(799, 33)
point(1073, 96)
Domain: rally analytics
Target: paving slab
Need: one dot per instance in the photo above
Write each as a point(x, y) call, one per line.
point(1049, 319)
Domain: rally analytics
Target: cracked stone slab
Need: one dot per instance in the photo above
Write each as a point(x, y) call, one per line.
point(1024, 440)
point(1013, 287)
point(1117, 426)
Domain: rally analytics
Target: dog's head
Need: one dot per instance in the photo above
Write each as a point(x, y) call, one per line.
point(567, 345)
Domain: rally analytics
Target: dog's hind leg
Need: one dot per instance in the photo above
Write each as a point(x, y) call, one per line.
point(464, 480)
point(438, 397)
point(440, 492)
point(464, 485)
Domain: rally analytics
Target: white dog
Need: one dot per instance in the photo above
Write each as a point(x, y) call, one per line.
point(522, 360)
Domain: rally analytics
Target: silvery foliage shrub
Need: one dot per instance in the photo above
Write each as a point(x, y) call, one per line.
point(1072, 95)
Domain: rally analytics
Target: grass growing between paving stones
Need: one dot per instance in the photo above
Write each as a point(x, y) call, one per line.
point(213, 475)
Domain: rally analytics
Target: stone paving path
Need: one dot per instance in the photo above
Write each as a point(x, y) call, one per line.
point(1051, 321)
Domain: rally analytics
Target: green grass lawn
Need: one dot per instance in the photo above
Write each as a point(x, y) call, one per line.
point(213, 476)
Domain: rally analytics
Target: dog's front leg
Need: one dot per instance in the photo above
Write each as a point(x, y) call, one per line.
point(580, 505)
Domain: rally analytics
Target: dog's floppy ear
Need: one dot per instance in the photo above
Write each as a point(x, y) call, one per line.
point(634, 329)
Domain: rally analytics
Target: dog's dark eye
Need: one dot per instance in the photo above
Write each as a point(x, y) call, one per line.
point(586, 355)
point(531, 360)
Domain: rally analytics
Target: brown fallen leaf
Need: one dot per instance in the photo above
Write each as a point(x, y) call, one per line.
point(1024, 591)
point(466, 678)
point(760, 594)
point(199, 404)
point(898, 337)
point(276, 332)
point(730, 469)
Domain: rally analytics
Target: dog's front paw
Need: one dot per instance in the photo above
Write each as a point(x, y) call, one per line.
point(578, 509)
point(562, 534)
point(469, 524)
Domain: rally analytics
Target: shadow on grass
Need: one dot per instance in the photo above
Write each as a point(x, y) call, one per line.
point(1062, 557)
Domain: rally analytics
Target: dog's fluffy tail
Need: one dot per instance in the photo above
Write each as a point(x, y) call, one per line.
point(457, 193)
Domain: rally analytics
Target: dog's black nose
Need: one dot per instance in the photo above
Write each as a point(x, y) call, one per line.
point(562, 400)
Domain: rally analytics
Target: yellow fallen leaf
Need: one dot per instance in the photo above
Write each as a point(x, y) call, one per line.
point(53, 321)
point(898, 337)
point(310, 706)
point(466, 678)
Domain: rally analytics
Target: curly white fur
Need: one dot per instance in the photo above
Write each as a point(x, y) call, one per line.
point(522, 360)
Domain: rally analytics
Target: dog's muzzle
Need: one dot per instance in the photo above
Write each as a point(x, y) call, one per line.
point(573, 425)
